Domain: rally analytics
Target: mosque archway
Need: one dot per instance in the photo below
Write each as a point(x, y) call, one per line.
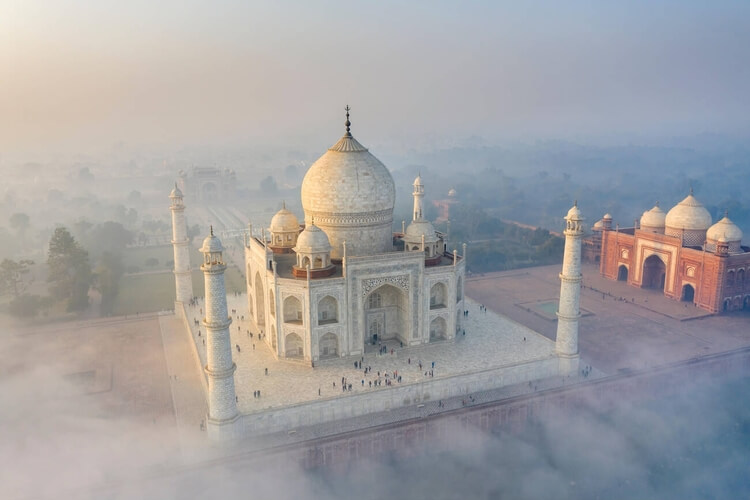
point(438, 329)
point(329, 346)
point(622, 273)
point(271, 303)
point(292, 310)
point(459, 315)
point(260, 318)
point(328, 310)
point(688, 293)
point(458, 289)
point(438, 294)
point(273, 337)
point(386, 314)
point(746, 303)
point(654, 273)
point(293, 346)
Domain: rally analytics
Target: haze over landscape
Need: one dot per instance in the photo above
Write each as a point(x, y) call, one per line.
point(515, 108)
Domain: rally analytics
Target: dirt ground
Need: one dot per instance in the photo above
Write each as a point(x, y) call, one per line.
point(627, 328)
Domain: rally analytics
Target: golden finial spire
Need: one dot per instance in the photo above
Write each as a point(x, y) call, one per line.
point(212, 229)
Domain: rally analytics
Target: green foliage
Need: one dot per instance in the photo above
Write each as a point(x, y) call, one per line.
point(498, 245)
point(19, 222)
point(109, 237)
point(12, 275)
point(268, 185)
point(25, 306)
point(107, 276)
point(69, 270)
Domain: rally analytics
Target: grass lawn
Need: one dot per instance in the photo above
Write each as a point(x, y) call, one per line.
point(156, 292)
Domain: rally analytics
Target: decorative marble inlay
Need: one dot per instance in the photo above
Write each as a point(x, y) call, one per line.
point(371, 284)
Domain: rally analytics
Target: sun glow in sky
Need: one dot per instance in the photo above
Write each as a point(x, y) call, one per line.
point(75, 74)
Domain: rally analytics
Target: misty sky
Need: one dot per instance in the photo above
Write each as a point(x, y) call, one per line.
point(77, 74)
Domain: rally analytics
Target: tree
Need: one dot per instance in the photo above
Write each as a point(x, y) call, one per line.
point(268, 185)
point(12, 276)
point(108, 237)
point(25, 306)
point(107, 276)
point(19, 222)
point(69, 270)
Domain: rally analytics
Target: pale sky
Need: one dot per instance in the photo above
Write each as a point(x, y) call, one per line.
point(77, 74)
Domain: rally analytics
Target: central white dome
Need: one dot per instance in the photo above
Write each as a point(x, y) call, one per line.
point(350, 195)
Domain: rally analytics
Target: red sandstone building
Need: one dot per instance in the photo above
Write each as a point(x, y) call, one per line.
point(679, 252)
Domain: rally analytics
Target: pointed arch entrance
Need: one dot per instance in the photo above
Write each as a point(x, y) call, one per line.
point(622, 273)
point(688, 293)
point(654, 273)
point(386, 315)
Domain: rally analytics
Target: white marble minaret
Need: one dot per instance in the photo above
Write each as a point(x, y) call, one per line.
point(180, 242)
point(418, 194)
point(222, 405)
point(568, 311)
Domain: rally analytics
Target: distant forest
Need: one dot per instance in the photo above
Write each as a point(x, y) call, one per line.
point(536, 184)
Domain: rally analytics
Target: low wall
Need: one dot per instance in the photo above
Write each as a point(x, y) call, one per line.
point(510, 415)
point(317, 412)
point(179, 308)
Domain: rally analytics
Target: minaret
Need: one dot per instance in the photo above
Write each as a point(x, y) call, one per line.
point(568, 311)
point(418, 198)
point(180, 242)
point(222, 405)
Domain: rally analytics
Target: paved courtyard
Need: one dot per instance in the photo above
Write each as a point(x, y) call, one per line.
point(627, 327)
point(490, 341)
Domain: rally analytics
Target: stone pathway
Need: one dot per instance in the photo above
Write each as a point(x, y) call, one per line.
point(490, 341)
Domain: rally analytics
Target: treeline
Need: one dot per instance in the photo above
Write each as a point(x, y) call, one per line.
point(497, 246)
point(72, 270)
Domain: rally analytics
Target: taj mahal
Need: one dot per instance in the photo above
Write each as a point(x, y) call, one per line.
point(326, 292)
point(334, 284)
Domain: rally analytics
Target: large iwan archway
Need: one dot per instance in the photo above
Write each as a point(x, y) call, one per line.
point(386, 315)
point(654, 273)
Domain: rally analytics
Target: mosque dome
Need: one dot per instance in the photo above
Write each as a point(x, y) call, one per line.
point(284, 222)
point(688, 214)
point(452, 193)
point(598, 224)
point(350, 194)
point(688, 220)
point(312, 240)
point(653, 219)
point(418, 180)
point(724, 231)
point(176, 192)
point(725, 227)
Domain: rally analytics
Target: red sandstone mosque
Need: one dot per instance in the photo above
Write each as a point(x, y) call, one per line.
point(679, 252)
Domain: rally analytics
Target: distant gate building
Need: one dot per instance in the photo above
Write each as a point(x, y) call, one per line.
point(208, 184)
